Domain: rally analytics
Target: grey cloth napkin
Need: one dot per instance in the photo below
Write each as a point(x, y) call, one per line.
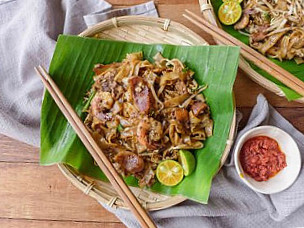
point(28, 33)
point(146, 9)
point(232, 203)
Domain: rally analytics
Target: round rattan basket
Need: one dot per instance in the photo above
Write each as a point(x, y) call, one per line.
point(143, 30)
point(208, 13)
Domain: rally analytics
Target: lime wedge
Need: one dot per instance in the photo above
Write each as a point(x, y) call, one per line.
point(230, 12)
point(169, 173)
point(187, 161)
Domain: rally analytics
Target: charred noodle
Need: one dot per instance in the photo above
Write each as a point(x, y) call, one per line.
point(141, 113)
point(275, 27)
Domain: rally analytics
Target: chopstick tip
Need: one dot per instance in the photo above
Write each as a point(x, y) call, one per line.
point(40, 71)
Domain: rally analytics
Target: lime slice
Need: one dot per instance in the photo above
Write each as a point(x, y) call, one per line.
point(188, 161)
point(230, 12)
point(169, 173)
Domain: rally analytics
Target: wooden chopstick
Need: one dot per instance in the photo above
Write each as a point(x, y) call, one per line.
point(105, 165)
point(250, 54)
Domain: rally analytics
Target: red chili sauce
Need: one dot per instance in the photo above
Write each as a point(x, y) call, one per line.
point(262, 158)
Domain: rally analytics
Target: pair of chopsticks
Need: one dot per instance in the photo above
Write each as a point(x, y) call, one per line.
point(106, 166)
point(248, 53)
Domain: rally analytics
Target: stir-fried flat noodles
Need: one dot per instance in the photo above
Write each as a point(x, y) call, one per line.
point(275, 27)
point(142, 113)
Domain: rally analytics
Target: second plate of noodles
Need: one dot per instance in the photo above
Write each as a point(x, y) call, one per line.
point(275, 27)
point(143, 113)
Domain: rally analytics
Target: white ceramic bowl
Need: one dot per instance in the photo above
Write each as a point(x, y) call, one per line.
point(285, 177)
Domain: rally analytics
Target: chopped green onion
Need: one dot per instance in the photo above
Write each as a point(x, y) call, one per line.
point(87, 104)
point(198, 88)
point(266, 16)
point(185, 70)
point(120, 128)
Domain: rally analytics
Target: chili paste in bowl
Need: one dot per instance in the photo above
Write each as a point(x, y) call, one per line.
point(267, 159)
point(261, 158)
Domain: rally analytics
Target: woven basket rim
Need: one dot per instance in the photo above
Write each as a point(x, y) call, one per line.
point(208, 13)
point(90, 186)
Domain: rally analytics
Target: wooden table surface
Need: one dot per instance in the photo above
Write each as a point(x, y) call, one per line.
point(35, 196)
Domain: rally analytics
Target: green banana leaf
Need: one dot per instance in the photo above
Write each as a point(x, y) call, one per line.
point(71, 69)
point(289, 65)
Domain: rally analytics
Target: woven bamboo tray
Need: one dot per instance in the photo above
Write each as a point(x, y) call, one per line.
point(208, 13)
point(143, 30)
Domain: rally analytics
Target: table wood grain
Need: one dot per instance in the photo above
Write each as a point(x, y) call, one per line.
point(34, 196)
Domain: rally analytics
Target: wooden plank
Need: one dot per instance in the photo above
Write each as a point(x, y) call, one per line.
point(24, 223)
point(293, 115)
point(246, 92)
point(34, 192)
point(14, 151)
